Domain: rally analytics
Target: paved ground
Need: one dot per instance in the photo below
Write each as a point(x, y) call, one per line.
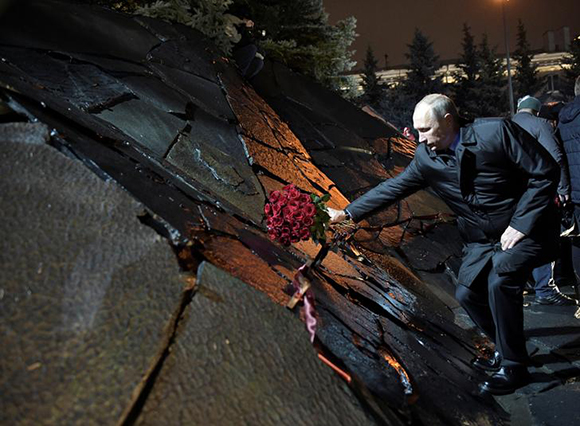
point(554, 342)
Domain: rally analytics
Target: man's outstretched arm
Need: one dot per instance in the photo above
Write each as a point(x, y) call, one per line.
point(385, 193)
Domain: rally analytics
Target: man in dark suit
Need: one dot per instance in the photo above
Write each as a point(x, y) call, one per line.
point(500, 182)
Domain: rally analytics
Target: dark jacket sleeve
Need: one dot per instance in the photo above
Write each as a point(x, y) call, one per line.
point(548, 139)
point(541, 170)
point(389, 191)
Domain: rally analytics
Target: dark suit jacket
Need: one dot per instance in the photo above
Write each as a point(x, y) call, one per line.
point(499, 176)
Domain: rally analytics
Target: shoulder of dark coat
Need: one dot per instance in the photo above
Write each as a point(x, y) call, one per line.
point(525, 118)
point(570, 111)
point(489, 121)
point(421, 150)
point(488, 124)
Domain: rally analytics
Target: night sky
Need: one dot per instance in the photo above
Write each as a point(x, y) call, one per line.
point(389, 25)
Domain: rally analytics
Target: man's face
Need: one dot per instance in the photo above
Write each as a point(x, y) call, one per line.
point(437, 134)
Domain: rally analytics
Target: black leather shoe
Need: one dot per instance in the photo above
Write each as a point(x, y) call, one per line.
point(506, 380)
point(488, 364)
point(557, 298)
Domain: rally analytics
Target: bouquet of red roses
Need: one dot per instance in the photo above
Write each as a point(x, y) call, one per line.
point(292, 216)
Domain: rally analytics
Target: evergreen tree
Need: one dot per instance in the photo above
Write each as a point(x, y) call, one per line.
point(572, 61)
point(491, 95)
point(399, 100)
point(421, 78)
point(526, 75)
point(372, 89)
point(397, 106)
point(210, 17)
point(469, 57)
point(298, 33)
point(127, 6)
point(301, 20)
point(465, 87)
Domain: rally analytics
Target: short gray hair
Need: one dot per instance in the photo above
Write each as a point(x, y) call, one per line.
point(577, 86)
point(440, 105)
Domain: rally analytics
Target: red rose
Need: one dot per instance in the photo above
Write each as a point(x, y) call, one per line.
point(309, 209)
point(277, 221)
point(292, 192)
point(267, 209)
point(294, 204)
point(309, 221)
point(276, 209)
point(305, 234)
point(288, 213)
point(305, 198)
point(294, 238)
point(284, 240)
point(294, 195)
point(299, 215)
point(275, 196)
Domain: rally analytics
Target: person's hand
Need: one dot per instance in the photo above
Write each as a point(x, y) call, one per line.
point(249, 23)
point(564, 198)
point(510, 238)
point(336, 215)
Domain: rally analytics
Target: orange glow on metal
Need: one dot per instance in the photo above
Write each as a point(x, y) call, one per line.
point(405, 379)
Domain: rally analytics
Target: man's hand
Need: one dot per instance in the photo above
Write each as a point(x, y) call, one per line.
point(336, 215)
point(564, 198)
point(510, 238)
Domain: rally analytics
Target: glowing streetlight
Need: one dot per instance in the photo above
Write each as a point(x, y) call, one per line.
point(507, 55)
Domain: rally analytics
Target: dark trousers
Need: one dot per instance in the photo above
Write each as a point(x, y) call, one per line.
point(542, 284)
point(247, 61)
point(495, 304)
point(546, 280)
point(576, 261)
point(576, 249)
point(564, 268)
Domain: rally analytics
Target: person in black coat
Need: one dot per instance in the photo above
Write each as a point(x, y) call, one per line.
point(500, 183)
point(569, 129)
point(547, 293)
point(247, 54)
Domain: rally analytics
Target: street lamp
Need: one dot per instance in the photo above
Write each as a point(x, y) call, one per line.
point(507, 55)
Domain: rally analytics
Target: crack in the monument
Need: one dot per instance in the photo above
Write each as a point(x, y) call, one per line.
point(188, 259)
point(144, 388)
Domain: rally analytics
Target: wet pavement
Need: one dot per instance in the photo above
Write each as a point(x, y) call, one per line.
point(553, 342)
point(136, 162)
point(553, 334)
